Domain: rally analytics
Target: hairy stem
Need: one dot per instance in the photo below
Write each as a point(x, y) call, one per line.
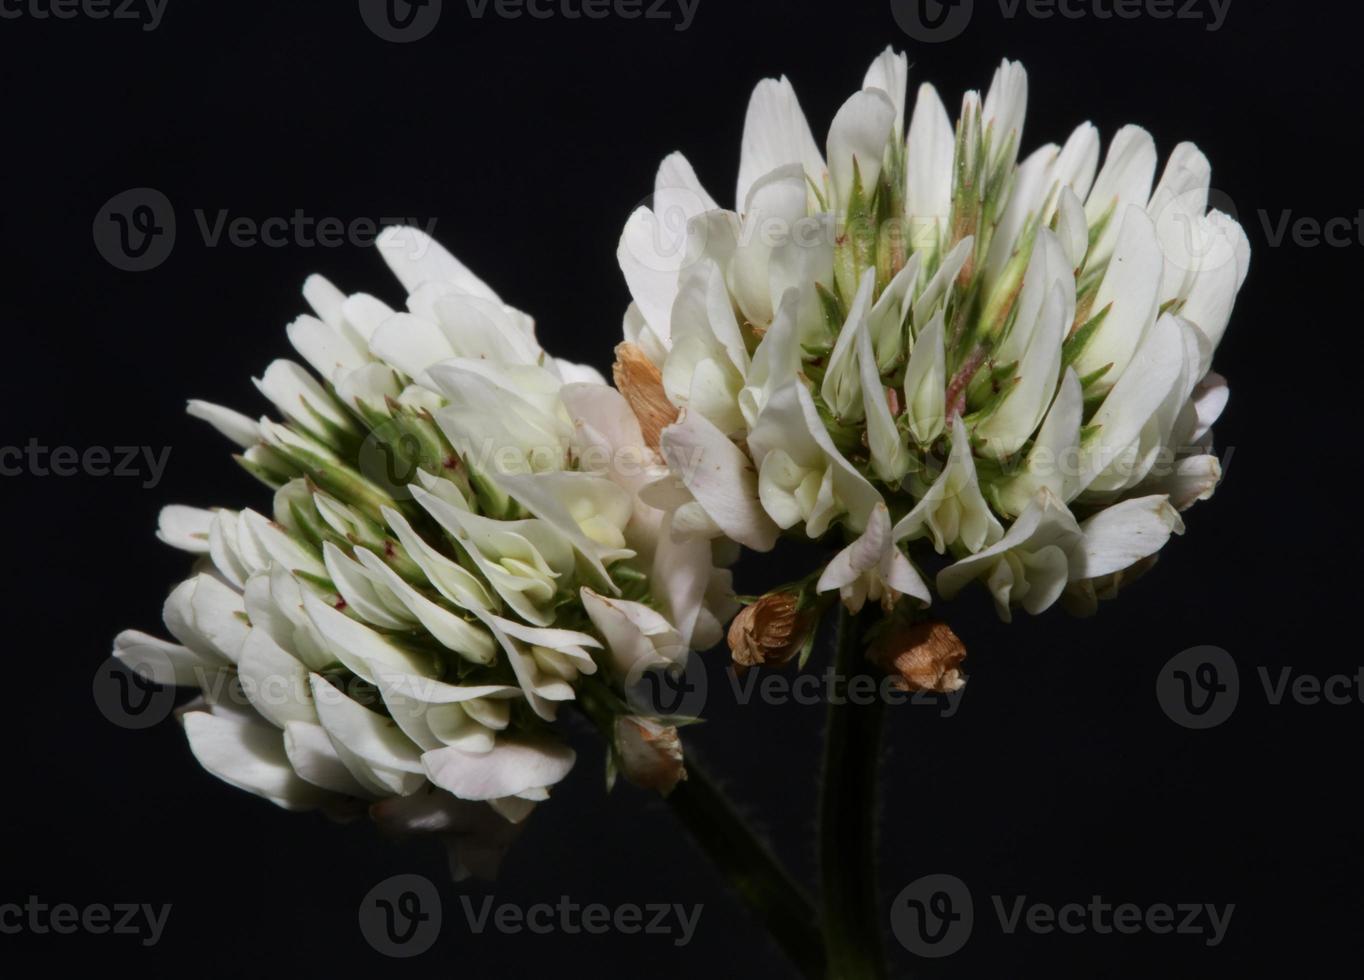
point(847, 819)
point(748, 865)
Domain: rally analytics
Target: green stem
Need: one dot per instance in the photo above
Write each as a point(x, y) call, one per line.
point(749, 867)
point(847, 819)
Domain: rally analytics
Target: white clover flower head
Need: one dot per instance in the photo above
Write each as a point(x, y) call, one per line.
point(453, 510)
point(917, 336)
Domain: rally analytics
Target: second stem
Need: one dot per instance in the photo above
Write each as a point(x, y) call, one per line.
point(847, 818)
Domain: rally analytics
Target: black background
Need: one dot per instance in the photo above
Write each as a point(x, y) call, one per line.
point(530, 142)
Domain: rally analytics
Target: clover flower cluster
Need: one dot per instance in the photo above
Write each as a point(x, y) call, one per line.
point(455, 549)
point(915, 340)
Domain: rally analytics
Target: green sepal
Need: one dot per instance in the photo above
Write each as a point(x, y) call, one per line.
point(855, 246)
point(834, 311)
point(492, 500)
point(1075, 344)
point(265, 475)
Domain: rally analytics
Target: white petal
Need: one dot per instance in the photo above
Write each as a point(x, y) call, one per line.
point(362, 314)
point(859, 133)
point(325, 299)
point(361, 592)
point(275, 682)
point(1012, 423)
point(1148, 380)
point(329, 351)
point(411, 344)
point(940, 285)
point(775, 361)
point(299, 397)
point(1072, 229)
point(1006, 105)
point(219, 616)
point(889, 454)
point(1219, 278)
point(720, 477)
point(371, 736)
point(1054, 455)
point(416, 258)
point(448, 629)
point(1189, 480)
point(1124, 180)
point(636, 636)
point(561, 499)
point(511, 768)
point(578, 373)
point(241, 429)
point(776, 133)
point(791, 421)
point(357, 646)
point(450, 579)
point(953, 509)
point(168, 664)
point(842, 387)
point(1042, 536)
point(926, 384)
point(1119, 536)
point(1132, 285)
point(272, 543)
point(928, 170)
point(890, 73)
point(312, 756)
point(250, 756)
point(1076, 165)
point(185, 528)
point(888, 320)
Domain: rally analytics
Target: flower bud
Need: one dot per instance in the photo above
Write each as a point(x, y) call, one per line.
point(769, 632)
point(921, 657)
point(641, 382)
point(649, 754)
